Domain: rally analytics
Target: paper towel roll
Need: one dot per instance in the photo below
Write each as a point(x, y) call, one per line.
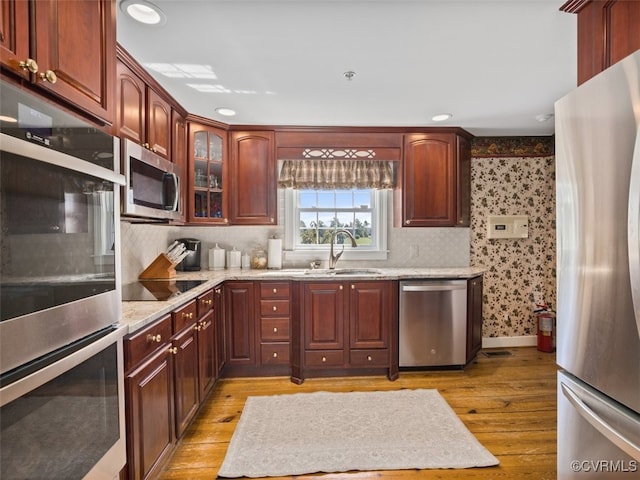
point(274, 253)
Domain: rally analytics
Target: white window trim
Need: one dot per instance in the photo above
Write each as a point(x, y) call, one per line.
point(380, 221)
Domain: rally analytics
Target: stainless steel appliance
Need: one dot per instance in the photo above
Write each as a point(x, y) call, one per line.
point(433, 323)
point(153, 184)
point(598, 314)
point(60, 300)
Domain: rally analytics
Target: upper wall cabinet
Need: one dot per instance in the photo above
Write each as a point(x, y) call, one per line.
point(608, 31)
point(143, 115)
point(65, 48)
point(435, 180)
point(207, 174)
point(252, 172)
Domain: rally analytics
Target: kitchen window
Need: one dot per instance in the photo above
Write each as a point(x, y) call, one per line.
point(312, 215)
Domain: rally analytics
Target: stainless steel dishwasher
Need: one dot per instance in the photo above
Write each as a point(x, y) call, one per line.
point(433, 323)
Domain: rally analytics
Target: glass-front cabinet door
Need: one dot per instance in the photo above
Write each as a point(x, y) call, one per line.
point(207, 174)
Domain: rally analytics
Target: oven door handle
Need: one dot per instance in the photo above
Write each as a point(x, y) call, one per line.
point(46, 374)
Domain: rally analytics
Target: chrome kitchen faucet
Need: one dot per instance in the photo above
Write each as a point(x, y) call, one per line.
point(333, 259)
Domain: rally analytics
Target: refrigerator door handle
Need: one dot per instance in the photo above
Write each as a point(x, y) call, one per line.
point(619, 440)
point(633, 235)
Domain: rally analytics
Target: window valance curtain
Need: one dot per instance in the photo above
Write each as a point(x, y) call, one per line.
point(341, 174)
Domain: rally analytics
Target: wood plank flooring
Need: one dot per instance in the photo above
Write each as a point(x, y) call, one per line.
point(508, 402)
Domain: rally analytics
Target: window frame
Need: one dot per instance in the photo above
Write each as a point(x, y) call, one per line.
point(379, 230)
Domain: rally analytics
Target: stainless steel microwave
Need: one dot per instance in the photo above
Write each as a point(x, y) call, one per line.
point(152, 184)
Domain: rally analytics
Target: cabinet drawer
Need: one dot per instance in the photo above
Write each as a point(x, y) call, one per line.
point(274, 307)
point(274, 329)
point(324, 358)
point(275, 353)
point(369, 358)
point(184, 316)
point(205, 303)
point(274, 290)
point(144, 342)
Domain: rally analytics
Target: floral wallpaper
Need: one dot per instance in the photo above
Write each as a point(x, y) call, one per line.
point(520, 273)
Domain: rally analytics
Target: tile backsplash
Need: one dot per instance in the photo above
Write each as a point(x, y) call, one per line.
point(437, 247)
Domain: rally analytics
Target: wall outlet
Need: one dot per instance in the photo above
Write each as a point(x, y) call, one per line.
point(413, 251)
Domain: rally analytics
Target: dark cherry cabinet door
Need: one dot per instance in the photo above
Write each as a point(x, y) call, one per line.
point(219, 325)
point(75, 42)
point(179, 157)
point(185, 351)
point(463, 178)
point(474, 317)
point(369, 304)
point(239, 309)
point(324, 315)
point(132, 101)
point(207, 373)
point(158, 125)
point(429, 180)
point(252, 173)
point(14, 36)
point(150, 426)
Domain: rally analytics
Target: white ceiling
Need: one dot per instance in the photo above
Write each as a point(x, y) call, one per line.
point(495, 65)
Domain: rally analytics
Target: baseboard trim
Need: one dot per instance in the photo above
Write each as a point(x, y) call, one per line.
point(501, 342)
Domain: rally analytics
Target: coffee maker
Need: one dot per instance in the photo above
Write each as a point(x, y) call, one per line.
point(191, 262)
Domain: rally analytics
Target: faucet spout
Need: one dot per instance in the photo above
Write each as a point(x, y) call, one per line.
point(333, 258)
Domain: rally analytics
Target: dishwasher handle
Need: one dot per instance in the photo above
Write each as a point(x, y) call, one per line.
point(438, 287)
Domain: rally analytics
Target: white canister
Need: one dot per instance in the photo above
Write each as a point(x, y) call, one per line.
point(216, 258)
point(233, 258)
point(246, 261)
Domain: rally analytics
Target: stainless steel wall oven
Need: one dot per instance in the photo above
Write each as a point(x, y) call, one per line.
point(61, 385)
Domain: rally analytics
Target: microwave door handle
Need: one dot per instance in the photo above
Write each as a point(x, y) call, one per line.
point(633, 233)
point(176, 185)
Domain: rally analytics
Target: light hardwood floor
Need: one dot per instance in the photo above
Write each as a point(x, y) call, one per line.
point(508, 402)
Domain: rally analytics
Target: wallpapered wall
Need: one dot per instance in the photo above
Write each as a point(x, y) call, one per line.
point(514, 176)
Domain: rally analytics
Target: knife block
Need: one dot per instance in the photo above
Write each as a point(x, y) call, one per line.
point(160, 269)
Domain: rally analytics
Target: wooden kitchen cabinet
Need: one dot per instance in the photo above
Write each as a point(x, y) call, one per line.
point(608, 31)
point(179, 157)
point(220, 340)
point(474, 317)
point(345, 327)
point(149, 399)
point(274, 320)
point(252, 173)
point(65, 48)
point(436, 180)
point(240, 322)
point(142, 115)
point(207, 175)
point(205, 328)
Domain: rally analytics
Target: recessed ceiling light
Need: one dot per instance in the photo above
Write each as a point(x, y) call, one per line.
point(144, 11)
point(441, 117)
point(227, 112)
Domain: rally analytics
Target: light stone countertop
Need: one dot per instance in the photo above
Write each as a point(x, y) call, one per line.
point(137, 315)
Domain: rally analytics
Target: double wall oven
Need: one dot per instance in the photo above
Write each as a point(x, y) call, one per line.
point(61, 357)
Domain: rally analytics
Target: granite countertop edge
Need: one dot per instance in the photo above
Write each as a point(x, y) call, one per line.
point(137, 315)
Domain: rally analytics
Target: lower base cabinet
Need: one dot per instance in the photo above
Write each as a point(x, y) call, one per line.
point(170, 368)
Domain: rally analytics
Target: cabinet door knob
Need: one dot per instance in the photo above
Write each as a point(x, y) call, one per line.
point(324, 359)
point(49, 76)
point(173, 350)
point(275, 329)
point(154, 338)
point(340, 287)
point(369, 358)
point(275, 308)
point(275, 290)
point(275, 354)
point(29, 64)
point(353, 286)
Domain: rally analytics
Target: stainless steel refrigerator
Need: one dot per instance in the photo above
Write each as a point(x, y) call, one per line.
point(598, 275)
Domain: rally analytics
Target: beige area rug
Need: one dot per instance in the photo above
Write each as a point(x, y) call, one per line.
point(302, 433)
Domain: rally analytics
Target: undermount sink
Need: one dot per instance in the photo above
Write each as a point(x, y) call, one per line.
point(344, 271)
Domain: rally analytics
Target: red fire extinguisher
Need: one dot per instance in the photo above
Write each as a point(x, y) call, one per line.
point(546, 319)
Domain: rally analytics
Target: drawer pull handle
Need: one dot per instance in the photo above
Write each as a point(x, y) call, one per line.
point(49, 76)
point(275, 354)
point(187, 315)
point(154, 338)
point(275, 329)
point(353, 286)
point(275, 308)
point(341, 287)
point(173, 350)
point(29, 64)
point(324, 359)
point(275, 290)
point(369, 358)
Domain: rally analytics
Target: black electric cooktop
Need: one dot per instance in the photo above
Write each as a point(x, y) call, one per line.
point(154, 290)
